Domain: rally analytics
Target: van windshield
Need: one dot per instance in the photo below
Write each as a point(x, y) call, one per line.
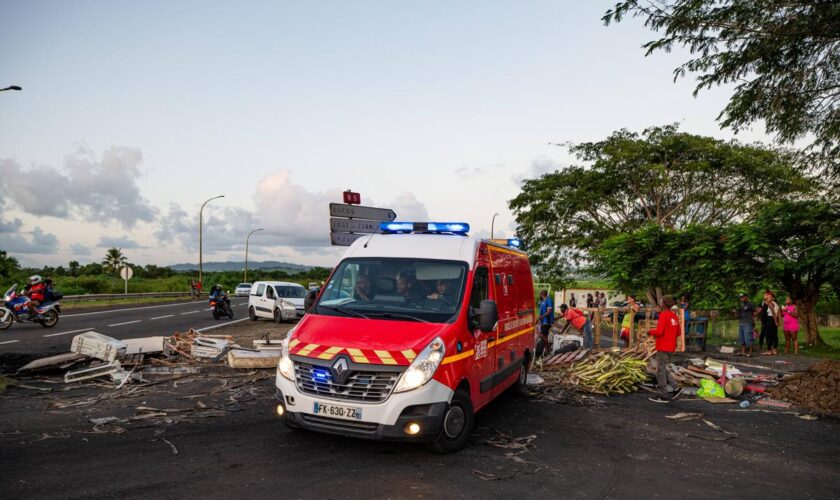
point(395, 289)
point(291, 292)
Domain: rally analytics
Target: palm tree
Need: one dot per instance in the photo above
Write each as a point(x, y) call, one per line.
point(114, 259)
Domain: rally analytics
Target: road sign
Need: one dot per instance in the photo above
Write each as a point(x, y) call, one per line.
point(359, 212)
point(345, 239)
point(352, 198)
point(354, 225)
point(126, 273)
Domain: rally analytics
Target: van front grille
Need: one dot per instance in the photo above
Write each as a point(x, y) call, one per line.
point(361, 385)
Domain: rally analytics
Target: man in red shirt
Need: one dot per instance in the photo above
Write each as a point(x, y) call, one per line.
point(666, 332)
point(576, 318)
point(35, 293)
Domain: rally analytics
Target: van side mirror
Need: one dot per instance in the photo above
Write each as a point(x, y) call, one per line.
point(311, 295)
point(486, 316)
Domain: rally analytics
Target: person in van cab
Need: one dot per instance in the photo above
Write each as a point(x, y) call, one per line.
point(362, 290)
point(404, 288)
point(442, 291)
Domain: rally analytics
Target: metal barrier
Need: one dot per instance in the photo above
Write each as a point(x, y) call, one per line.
point(108, 297)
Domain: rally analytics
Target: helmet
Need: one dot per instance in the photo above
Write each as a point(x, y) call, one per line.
point(34, 279)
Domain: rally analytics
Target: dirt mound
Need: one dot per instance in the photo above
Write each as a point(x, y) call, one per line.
point(817, 389)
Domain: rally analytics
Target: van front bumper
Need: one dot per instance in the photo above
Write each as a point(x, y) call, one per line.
point(388, 420)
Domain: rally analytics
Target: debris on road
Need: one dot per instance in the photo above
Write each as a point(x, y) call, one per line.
point(96, 345)
point(239, 358)
point(685, 416)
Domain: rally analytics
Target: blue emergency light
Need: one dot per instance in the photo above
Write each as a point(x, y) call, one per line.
point(460, 228)
point(514, 242)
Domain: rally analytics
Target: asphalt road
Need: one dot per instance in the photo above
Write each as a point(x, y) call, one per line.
point(122, 323)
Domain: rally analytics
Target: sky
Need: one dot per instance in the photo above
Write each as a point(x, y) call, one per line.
point(132, 114)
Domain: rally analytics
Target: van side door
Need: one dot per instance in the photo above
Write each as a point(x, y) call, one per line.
point(256, 299)
point(482, 366)
point(269, 300)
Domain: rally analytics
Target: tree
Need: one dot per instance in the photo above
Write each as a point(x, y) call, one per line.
point(664, 177)
point(114, 260)
point(797, 245)
point(9, 266)
point(73, 267)
point(782, 56)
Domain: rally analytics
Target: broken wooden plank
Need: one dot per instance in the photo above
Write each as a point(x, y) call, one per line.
point(52, 361)
point(253, 359)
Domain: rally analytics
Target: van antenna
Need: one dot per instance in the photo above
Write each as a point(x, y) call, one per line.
point(368, 241)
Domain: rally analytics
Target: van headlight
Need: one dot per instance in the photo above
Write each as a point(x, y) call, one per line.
point(423, 367)
point(286, 367)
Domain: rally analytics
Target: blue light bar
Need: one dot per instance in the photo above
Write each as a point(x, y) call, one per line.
point(425, 227)
point(514, 242)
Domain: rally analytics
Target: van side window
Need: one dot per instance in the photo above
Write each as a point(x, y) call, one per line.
point(498, 278)
point(260, 290)
point(479, 288)
point(269, 293)
point(510, 279)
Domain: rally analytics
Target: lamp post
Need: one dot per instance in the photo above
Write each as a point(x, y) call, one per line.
point(12, 87)
point(245, 278)
point(201, 239)
point(492, 225)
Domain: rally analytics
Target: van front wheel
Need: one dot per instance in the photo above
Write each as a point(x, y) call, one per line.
point(457, 425)
point(252, 314)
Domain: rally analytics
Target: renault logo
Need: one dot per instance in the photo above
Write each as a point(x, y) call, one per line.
point(340, 370)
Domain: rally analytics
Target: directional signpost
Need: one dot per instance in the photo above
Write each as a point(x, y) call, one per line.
point(126, 273)
point(349, 222)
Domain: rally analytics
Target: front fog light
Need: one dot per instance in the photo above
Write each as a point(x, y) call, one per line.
point(423, 367)
point(412, 428)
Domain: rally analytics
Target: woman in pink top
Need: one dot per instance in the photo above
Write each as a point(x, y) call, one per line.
point(790, 324)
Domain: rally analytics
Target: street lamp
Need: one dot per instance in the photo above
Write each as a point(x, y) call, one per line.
point(245, 278)
point(200, 239)
point(492, 224)
point(12, 87)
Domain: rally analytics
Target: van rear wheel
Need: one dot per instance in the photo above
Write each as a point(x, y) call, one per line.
point(278, 316)
point(457, 425)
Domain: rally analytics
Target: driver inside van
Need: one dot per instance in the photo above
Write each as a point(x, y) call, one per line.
point(442, 291)
point(362, 290)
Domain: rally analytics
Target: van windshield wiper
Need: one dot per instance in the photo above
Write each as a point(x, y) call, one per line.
point(400, 316)
point(344, 310)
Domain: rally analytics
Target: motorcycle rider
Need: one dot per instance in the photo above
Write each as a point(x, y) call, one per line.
point(35, 292)
point(217, 294)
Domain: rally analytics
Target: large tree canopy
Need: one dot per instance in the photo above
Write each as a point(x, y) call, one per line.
point(782, 56)
point(663, 177)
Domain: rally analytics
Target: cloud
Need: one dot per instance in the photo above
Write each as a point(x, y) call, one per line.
point(94, 189)
point(538, 168)
point(475, 172)
point(35, 242)
point(79, 249)
point(123, 242)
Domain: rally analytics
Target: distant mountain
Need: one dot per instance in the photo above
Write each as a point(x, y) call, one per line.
point(238, 266)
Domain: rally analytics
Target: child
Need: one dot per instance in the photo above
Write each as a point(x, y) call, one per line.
point(666, 332)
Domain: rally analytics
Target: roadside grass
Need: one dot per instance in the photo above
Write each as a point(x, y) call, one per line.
point(726, 333)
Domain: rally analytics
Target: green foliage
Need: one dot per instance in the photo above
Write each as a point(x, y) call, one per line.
point(114, 260)
point(9, 266)
point(663, 177)
point(782, 56)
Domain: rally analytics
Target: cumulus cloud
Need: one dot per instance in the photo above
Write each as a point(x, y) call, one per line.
point(79, 249)
point(35, 242)
point(94, 189)
point(123, 242)
point(538, 168)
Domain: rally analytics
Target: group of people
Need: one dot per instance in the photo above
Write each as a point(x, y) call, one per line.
point(598, 300)
point(770, 316)
point(195, 289)
point(408, 288)
point(573, 316)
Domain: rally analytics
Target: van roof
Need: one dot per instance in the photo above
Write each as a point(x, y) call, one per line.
point(278, 283)
point(421, 246)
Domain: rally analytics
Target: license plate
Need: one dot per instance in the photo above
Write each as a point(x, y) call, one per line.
point(337, 411)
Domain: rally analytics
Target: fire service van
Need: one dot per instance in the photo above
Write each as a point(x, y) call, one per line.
point(416, 329)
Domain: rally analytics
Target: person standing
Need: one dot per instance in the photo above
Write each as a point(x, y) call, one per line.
point(666, 332)
point(790, 325)
point(192, 289)
point(602, 300)
point(628, 319)
point(771, 317)
point(746, 313)
point(572, 300)
point(590, 302)
point(545, 319)
point(576, 318)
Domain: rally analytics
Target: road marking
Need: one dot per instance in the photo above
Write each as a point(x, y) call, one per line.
point(67, 333)
point(129, 309)
point(127, 322)
point(190, 312)
point(9, 342)
point(219, 326)
point(161, 317)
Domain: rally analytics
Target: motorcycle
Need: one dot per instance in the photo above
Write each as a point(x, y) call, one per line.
point(17, 308)
point(221, 307)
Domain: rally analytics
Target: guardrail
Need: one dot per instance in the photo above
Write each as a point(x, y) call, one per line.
point(109, 297)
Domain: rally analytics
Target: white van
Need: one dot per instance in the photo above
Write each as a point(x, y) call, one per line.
point(278, 300)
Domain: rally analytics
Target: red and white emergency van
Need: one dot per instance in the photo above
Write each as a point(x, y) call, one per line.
point(415, 330)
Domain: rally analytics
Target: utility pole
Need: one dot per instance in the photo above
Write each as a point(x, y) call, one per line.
point(201, 238)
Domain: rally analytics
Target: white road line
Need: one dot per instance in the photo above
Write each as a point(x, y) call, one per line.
point(67, 333)
point(9, 342)
point(221, 325)
point(190, 312)
point(127, 322)
point(161, 317)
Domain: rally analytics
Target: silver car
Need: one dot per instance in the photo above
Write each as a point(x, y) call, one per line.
point(242, 290)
